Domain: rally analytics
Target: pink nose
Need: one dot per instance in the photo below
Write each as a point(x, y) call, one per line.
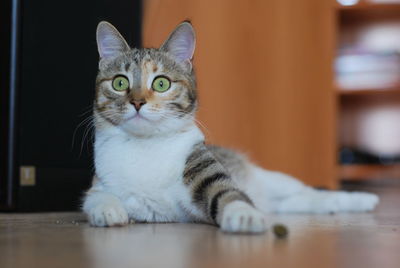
point(138, 104)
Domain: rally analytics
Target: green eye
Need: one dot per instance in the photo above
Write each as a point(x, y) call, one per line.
point(120, 83)
point(161, 84)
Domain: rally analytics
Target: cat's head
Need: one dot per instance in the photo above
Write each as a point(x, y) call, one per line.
point(146, 91)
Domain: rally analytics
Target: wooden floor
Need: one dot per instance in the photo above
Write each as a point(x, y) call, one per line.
point(65, 240)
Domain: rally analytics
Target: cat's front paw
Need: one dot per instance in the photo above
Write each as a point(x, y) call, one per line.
point(108, 215)
point(240, 217)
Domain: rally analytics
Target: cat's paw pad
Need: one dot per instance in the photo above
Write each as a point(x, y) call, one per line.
point(108, 215)
point(239, 217)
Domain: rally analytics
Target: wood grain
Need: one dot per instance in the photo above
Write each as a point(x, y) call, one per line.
point(343, 240)
point(264, 76)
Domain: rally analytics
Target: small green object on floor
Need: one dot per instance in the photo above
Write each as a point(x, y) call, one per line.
point(280, 230)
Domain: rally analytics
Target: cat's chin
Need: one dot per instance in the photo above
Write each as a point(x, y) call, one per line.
point(138, 126)
point(143, 127)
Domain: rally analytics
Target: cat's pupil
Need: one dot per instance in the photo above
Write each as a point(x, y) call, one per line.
point(161, 83)
point(121, 83)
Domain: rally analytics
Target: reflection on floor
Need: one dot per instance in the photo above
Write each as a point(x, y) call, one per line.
point(345, 240)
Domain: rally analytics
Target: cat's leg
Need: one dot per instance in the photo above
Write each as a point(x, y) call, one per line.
point(102, 208)
point(278, 192)
point(214, 193)
point(318, 201)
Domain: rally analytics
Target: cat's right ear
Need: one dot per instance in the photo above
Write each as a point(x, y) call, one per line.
point(110, 42)
point(181, 43)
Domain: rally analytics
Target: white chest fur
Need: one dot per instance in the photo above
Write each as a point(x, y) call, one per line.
point(146, 173)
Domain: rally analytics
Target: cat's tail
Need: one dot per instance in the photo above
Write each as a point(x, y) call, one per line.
point(281, 193)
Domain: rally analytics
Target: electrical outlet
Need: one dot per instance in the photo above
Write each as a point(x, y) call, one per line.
point(27, 175)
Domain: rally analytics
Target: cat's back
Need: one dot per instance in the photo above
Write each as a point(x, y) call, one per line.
point(234, 162)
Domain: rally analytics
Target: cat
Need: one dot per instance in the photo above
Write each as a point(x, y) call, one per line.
point(151, 161)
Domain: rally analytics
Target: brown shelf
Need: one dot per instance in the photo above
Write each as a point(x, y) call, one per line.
point(365, 5)
point(368, 91)
point(375, 171)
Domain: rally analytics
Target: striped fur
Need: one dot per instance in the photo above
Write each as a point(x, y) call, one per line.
point(211, 185)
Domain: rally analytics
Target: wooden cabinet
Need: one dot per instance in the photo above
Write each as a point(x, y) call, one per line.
point(368, 38)
point(264, 72)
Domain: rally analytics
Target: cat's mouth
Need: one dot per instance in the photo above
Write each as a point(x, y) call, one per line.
point(136, 118)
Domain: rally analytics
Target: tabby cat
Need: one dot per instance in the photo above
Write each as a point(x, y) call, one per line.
point(151, 162)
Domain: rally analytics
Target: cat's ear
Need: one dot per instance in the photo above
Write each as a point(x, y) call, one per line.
point(110, 42)
point(181, 43)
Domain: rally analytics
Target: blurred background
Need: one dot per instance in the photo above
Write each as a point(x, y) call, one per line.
point(307, 87)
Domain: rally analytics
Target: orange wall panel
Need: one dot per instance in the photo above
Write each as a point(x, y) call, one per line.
point(264, 78)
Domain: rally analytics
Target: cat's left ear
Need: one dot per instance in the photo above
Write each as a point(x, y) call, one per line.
point(110, 42)
point(181, 43)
